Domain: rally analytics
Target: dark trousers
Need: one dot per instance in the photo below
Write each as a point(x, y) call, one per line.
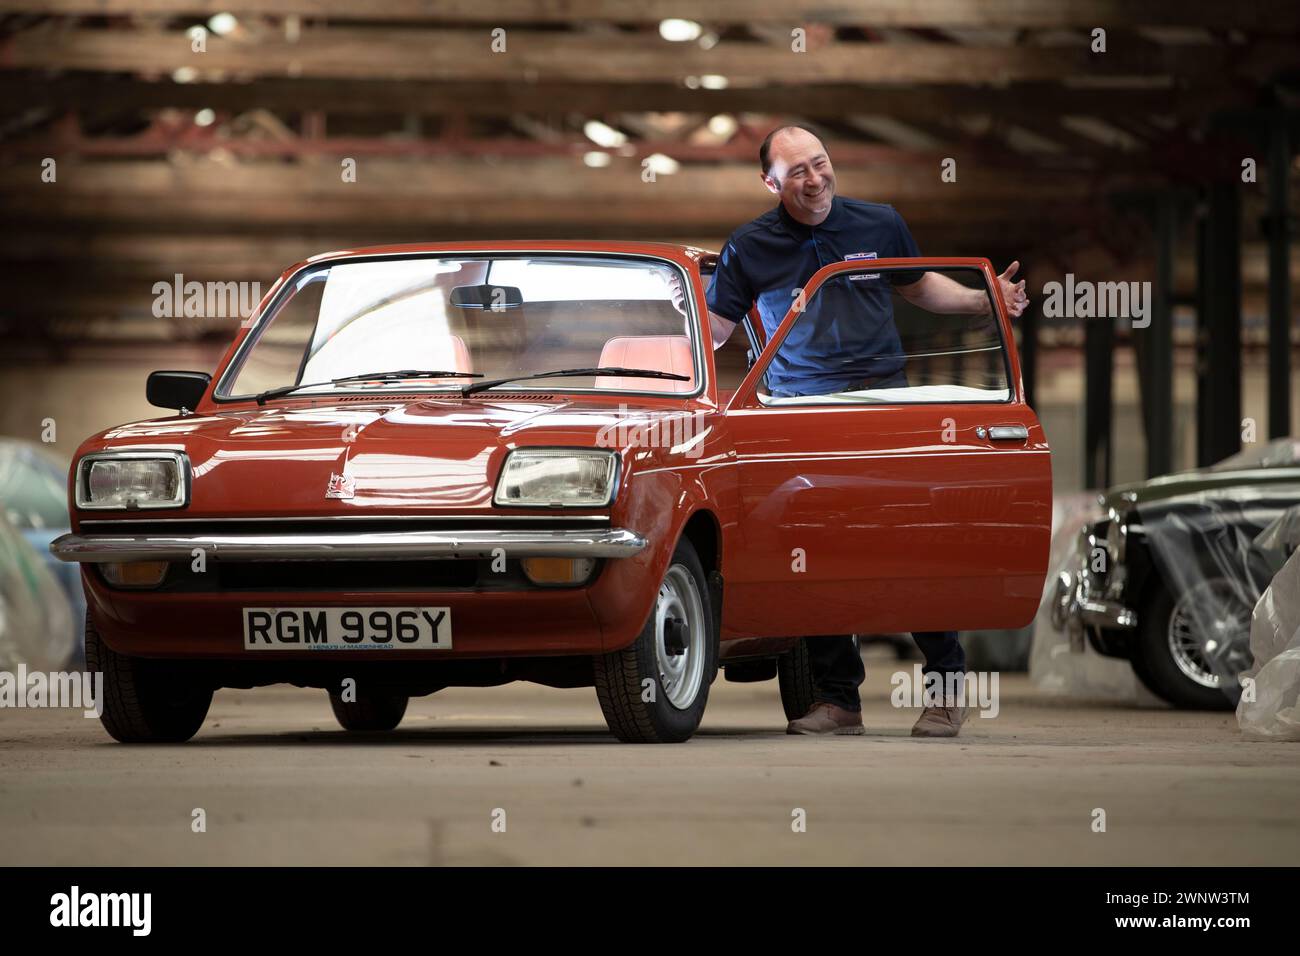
point(837, 670)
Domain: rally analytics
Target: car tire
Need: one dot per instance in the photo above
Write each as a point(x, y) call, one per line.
point(145, 701)
point(1154, 662)
point(370, 712)
point(794, 676)
point(648, 693)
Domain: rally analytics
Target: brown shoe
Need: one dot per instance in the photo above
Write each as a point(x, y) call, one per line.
point(827, 719)
point(942, 721)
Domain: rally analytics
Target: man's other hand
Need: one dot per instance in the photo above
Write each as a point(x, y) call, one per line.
point(720, 329)
point(1013, 293)
point(676, 293)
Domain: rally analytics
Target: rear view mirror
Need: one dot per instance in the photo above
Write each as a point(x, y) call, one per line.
point(178, 390)
point(494, 298)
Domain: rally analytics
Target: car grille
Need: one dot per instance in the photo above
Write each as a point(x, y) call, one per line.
point(338, 576)
point(335, 576)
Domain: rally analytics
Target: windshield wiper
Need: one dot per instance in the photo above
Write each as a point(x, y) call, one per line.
point(365, 377)
point(559, 373)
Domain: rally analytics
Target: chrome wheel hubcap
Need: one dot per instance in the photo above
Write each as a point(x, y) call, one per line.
point(679, 637)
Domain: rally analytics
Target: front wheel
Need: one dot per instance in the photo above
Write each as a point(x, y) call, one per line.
point(656, 688)
point(145, 701)
point(1169, 652)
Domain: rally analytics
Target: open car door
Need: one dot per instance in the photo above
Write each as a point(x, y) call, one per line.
point(906, 488)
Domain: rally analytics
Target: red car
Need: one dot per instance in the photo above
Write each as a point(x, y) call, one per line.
point(461, 465)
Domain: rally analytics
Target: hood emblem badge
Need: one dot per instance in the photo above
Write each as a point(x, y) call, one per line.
point(341, 486)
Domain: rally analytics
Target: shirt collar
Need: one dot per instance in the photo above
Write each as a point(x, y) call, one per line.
point(787, 223)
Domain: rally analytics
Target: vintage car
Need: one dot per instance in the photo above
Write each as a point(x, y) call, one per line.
point(463, 465)
point(1169, 576)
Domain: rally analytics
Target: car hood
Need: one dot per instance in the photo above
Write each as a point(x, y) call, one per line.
point(1157, 490)
point(431, 453)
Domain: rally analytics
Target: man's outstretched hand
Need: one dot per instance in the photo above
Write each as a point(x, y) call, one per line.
point(1013, 293)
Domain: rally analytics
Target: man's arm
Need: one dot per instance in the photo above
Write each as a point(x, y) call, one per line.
point(720, 327)
point(939, 293)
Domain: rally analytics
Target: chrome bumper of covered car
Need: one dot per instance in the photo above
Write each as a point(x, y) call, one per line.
point(1074, 608)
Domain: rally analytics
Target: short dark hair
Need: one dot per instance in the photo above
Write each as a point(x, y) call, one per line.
point(765, 150)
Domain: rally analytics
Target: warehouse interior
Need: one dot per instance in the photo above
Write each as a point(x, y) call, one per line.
point(148, 142)
point(1123, 165)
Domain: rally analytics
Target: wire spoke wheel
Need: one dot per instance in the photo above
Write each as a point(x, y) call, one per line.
point(1205, 619)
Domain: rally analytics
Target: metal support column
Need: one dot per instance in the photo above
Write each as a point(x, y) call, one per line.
point(1277, 228)
point(1098, 367)
point(1029, 347)
point(1218, 402)
point(1158, 341)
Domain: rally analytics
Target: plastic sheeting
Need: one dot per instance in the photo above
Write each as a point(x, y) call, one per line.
point(1272, 711)
point(36, 622)
point(1279, 540)
point(1217, 554)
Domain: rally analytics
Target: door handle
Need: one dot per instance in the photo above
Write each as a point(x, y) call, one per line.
point(1003, 432)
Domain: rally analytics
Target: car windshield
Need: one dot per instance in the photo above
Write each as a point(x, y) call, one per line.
point(504, 316)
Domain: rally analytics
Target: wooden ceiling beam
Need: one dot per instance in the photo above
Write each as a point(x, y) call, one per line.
point(506, 191)
point(92, 94)
point(1259, 15)
point(461, 54)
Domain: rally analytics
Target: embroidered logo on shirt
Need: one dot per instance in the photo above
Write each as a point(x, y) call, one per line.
point(861, 255)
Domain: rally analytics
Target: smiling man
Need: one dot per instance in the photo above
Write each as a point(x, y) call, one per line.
point(765, 262)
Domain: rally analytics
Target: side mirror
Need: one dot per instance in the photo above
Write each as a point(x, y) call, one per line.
point(178, 390)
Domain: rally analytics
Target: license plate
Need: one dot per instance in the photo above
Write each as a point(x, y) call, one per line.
point(347, 629)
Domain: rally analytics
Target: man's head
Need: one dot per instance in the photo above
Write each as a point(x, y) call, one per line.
point(797, 168)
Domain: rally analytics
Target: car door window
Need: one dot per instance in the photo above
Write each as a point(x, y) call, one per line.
point(857, 338)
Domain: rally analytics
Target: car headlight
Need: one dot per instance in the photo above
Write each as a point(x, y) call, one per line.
point(129, 480)
point(1088, 573)
point(557, 478)
point(1116, 538)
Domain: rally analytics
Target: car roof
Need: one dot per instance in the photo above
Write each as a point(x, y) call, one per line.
point(684, 254)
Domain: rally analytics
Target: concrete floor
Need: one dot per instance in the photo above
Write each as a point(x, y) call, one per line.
point(280, 784)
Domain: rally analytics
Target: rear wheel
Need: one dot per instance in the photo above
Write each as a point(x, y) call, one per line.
point(370, 711)
point(655, 689)
point(794, 675)
point(145, 701)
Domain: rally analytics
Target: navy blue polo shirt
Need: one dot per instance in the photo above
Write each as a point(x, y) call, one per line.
point(847, 332)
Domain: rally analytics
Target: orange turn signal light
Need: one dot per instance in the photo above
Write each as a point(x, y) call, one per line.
point(134, 574)
point(558, 570)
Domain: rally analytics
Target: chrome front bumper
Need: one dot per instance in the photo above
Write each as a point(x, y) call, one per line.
point(344, 546)
point(1107, 614)
point(1074, 608)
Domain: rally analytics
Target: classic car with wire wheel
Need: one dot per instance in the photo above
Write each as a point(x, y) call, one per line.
point(1168, 578)
point(443, 465)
